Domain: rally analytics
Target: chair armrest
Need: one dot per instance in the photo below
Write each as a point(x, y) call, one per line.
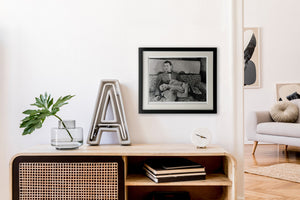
point(263, 116)
point(252, 120)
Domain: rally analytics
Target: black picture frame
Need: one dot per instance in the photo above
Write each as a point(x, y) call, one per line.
point(194, 88)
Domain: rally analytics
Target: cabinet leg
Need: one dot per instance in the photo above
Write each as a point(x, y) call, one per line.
point(254, 147)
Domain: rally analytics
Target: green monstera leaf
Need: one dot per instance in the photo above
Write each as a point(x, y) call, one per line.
point(35, 118)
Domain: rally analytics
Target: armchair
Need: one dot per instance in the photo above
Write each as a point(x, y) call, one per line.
point(261, 128)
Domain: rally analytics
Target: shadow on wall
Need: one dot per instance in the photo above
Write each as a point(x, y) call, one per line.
point(2, 72)
point(2, 94)
point(3, 122)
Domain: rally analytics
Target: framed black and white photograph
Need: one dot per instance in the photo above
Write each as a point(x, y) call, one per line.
point(177, 80)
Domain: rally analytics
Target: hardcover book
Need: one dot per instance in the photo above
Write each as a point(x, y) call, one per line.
point(178, 163)
point(185, 177)
point(172, 166)
point(174, 175)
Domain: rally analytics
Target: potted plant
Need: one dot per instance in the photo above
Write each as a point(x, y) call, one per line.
point(66, 136)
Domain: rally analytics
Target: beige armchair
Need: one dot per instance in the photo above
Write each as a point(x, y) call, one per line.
point(261, 128)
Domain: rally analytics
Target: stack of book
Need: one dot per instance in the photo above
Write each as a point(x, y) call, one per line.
point(173, 169)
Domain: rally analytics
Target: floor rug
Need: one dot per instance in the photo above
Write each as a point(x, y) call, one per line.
point(284, 171)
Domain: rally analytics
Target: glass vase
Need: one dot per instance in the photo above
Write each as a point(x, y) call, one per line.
point(67, 135)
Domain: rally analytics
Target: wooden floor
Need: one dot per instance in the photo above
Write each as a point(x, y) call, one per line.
point(260, 187)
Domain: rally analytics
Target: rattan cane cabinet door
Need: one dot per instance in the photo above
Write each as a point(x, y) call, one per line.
point(68, 177)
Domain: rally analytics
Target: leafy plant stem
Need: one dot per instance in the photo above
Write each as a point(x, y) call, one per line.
point(46, 108)
point(64, 126)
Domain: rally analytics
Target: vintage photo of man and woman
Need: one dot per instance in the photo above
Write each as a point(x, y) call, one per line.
point(177, 79)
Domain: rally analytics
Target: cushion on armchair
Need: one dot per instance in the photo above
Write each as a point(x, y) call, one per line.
point(284, 111)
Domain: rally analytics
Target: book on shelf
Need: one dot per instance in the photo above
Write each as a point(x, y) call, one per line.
point(173, 169)
point(174, 175)
point(172, 166)
point(178, 163)
point(177, 177)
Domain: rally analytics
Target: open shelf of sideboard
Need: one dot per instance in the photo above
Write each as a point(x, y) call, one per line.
point(219, 165)
point(211, 180)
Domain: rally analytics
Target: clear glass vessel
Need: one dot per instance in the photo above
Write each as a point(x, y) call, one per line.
point(62, 139)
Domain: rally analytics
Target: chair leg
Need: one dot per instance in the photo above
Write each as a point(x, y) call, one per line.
point(254, 147)
point(285, 148)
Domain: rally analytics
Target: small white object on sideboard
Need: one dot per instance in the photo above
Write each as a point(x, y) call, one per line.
point(201, 137)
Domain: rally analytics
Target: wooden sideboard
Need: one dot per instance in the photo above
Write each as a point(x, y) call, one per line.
point(220, 182)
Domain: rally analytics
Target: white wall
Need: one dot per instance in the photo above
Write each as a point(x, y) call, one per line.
point(280, 43)
point(67, 47)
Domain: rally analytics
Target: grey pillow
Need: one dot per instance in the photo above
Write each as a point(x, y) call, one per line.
point(284, 111)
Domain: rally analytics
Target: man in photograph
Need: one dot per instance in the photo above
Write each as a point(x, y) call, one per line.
point(165, 77)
